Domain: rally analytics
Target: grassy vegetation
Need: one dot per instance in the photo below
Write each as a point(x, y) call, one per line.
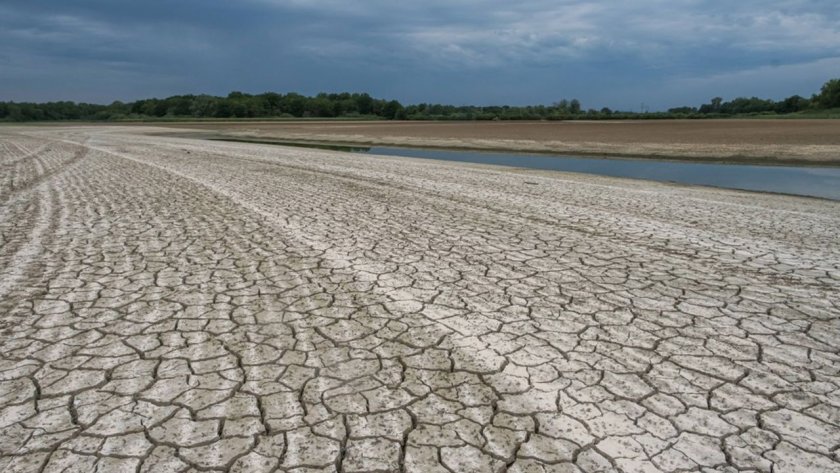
point(815, 113)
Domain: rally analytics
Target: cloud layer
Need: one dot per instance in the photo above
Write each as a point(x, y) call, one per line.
point(607, 53)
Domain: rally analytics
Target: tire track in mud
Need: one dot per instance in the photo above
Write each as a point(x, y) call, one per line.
point(33, 210)
point(9, 158)
point(21, 261)
point(43, 171)
point(27, 156)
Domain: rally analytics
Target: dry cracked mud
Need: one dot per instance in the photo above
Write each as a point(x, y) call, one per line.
point(173, 305)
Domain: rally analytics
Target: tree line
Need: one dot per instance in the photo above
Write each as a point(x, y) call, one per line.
point(362, 105)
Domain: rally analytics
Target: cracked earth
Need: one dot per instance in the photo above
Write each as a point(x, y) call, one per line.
point(172, 305)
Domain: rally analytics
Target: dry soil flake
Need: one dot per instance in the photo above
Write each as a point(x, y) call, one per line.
point(176, 305)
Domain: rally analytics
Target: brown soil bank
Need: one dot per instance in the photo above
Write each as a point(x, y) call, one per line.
point(774, 141)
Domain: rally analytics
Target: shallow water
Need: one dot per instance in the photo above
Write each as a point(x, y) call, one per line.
point(812, 181)
point(798, 180)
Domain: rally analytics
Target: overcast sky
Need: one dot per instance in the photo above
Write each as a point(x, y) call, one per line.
point(621, 54)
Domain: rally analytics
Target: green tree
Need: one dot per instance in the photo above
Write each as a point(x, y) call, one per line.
point(293, 104)
point(829, 96)
point(393, 110)
point(364, 103)
point(271, 103)
point(792, 104)
point(713, 107)
point(204, 106)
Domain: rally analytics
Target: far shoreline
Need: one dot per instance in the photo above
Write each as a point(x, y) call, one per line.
point(734, 160)
point(766, 142)
point(773, 142)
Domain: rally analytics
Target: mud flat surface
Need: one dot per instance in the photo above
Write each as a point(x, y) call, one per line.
point(181, 305)
point(754, 141)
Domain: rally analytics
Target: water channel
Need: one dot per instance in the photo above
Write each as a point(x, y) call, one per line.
point(813, 181)
point(798, 180)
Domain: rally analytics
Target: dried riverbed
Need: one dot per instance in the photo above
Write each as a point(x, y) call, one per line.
point(171, 304)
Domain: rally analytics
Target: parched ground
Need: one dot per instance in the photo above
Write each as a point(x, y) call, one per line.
point(178, 305)
point(771, 141)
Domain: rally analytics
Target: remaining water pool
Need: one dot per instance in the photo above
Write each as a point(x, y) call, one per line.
point(798, 180)
point(812, 181)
